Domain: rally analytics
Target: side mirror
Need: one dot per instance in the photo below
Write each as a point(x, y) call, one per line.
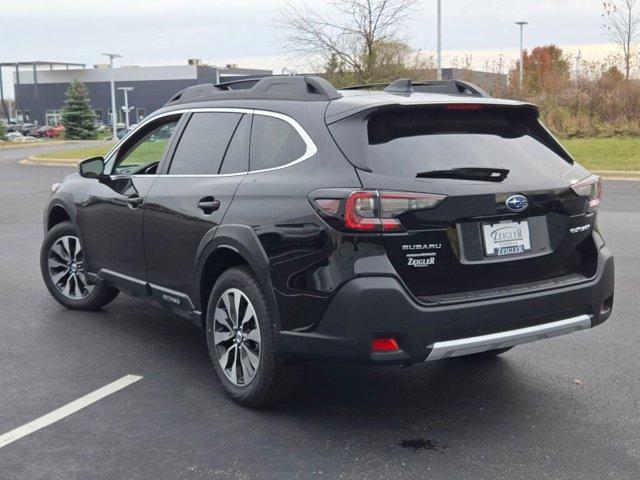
point(92, 167)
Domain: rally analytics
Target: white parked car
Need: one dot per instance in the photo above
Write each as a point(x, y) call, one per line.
point(27, 138)
point(12, 136)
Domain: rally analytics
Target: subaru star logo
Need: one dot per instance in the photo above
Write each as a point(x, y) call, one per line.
point(517, 203)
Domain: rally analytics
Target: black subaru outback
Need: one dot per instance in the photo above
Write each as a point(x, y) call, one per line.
point(289, 220)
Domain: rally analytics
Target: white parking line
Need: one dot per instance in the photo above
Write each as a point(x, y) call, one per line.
point(67, 410)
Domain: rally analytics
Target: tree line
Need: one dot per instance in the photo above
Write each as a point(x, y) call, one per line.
point(364, 41)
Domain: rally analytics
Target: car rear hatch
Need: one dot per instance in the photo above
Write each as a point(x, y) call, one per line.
point(488, 203)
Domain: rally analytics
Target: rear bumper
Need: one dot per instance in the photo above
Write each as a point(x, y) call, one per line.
point(371, 307)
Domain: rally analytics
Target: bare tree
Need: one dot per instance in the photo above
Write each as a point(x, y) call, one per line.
point(362, 30)
point(622, 26)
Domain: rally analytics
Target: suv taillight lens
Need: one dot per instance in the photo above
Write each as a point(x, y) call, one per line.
point(590, 187)
point(375, 211)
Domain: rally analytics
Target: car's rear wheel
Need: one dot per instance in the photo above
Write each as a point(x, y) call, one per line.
point(242, 342)
point(62, 266)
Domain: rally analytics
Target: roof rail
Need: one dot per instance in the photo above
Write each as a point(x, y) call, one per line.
point(365, 86)
point(406, 86)
point(280, 87)
point(242, 84)
point(450, 87)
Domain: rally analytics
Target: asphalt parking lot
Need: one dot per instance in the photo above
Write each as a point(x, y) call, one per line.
point(565, 408)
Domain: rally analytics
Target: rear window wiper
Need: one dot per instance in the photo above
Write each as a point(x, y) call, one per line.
point(468, 173)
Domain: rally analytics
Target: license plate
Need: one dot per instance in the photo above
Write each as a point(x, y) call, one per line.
point(506, 238)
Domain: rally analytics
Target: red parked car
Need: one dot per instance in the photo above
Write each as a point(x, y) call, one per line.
point(54, 132)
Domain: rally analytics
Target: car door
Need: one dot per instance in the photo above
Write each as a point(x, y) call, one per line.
point(190, 199)
point(112, 215)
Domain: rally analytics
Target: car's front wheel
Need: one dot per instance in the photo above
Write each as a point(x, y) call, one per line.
point(242, 342)
point(62, 266)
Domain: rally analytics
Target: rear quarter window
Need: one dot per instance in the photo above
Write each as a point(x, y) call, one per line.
point(274, 143)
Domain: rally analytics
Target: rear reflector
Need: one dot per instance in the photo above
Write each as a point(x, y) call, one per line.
point(384, 345)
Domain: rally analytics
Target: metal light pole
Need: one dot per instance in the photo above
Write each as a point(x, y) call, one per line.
point(522, 24)
point(439, 73)
point(126, 91)
point(114, 114)
point(578, 59)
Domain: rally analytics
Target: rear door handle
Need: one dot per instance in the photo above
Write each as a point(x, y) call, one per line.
point(208, 205)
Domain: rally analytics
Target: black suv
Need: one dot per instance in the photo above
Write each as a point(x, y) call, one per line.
point(289, 220)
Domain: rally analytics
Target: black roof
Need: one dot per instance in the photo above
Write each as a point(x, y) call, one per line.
point(312, 88)
point(277, 87)
point(268, 93)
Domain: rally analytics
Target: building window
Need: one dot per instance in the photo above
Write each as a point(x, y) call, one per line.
point(23, 116)
point(120, 122)
point(53, 117)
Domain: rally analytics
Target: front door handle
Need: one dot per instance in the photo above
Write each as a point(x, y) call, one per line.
point(208, 205)
point(134, 201)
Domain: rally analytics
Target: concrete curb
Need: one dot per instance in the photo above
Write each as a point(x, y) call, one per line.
point(617, 175)
point(17, 146)
point(52, 162)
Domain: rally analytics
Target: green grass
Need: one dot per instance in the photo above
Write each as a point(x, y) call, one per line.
point(618, 153)
point(78, 153)
point(145, 153)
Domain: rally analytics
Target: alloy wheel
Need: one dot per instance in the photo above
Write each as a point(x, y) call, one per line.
point(66, 268)
point(236, 336)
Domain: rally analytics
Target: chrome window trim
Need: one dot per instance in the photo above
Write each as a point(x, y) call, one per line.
point(310, 150)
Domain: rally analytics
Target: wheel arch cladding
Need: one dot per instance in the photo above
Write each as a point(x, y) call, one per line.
point(57, 214)
point(232, 245)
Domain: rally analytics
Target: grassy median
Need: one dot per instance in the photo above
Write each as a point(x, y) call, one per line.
point(78, 153)
point(618, 153)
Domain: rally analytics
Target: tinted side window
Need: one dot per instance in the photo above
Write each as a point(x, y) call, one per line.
point(274, 143)
point(203, 143)
point(142, 153)
point(236, 159)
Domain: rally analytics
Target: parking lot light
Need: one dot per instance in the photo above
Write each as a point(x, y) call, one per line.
point(126, 91)
point(521, 24)
point(114, 115)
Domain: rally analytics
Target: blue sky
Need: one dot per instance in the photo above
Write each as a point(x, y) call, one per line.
point(155, 32)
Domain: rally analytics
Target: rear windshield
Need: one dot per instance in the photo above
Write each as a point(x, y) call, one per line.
point(405, 143)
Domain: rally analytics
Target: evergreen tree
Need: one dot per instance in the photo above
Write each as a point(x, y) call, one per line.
point(78, 116)
point(3, 132)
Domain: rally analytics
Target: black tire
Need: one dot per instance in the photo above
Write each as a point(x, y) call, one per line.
point(276, 376)
point(96, 298)
point(484, 355)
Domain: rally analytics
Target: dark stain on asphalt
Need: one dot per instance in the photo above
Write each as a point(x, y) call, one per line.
point(420, 444)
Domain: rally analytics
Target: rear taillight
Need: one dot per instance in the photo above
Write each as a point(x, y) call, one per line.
point(590, 187)
point(360, 212)
point(376, 211)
